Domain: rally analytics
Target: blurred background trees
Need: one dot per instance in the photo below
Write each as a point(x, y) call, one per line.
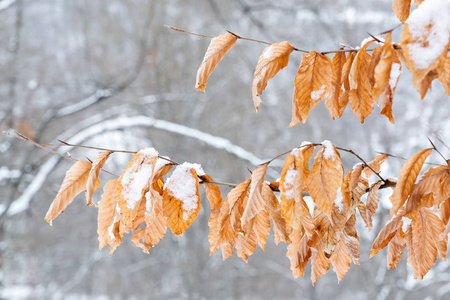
point(106, 73)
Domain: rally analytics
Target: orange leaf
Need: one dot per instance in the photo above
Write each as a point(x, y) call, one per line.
point(351, 239)
point(360, 95)
point(320, 264)
point(341, 259)
point(326, 177)
point(134, 182)
point(385, 236)
point(91, 183)
point(383, 67)
point(212, 192)
point(329, 235)
point(255, 200)
point(443, 72)
point(217, 49)
point(73, 184)
point(106, 212)
point(311, 84)
point(373, 199)
point(401, 9)
point(408, 176)
point(181, 198)
point(280, 226)
point(272, 60)
point(375, 164)
point(395, 250)
point(333, 99)
point(425, 39)
point(298, 252)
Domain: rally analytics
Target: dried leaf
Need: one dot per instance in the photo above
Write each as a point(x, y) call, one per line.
point(181, 199)
point(341, 259)
point(320, 264)
point(385, 236)
point(280, 226)
point(135, 181)
point(351, 239)
point(425, 40)
point(401, 9)
point(217, 49)
point(326, 177)
point(395, 250)
point(74, 183)
point(311, 84)
point(408, 175)
point(92, 181)
point(272, 60)
point(212, 192)
point(255, 200)
point(298, 252)
point(375, 165)
point(383, 68)
point(360, 95)
point(373, 199)
point(333, 100)
point(106, 212)
point(443, 72)
point(329, 234)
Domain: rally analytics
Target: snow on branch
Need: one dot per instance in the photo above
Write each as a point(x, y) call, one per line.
point(6, 3)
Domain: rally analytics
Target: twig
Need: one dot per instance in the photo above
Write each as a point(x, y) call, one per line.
point(267, 43)
point(435, 149)
point(402, 158)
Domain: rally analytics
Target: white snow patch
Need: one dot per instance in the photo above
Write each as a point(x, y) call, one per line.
point(268, 52)
point(196, 167)
point(316, 95)
point(289, 183)
point(396, 70)
point(137, 177)
point(328, 152)
point(310, 203)
point(358, 165)
point(148, 202)
point(149, 152)
point(406, 222)
point(183, 186)
point(305, 143)
point(368, 39)
point(338, 201)
point(429, 24)
point(295, 151)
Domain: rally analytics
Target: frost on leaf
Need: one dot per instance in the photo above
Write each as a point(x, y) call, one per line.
point(272, 60)
point(217, 49)
point(181, 203)
point(311, 84)
point(73, 184)
point(425, 39)
point(134, 181)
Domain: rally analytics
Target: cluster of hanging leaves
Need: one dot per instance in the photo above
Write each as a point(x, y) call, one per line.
point(357, 78)
point(314, 214)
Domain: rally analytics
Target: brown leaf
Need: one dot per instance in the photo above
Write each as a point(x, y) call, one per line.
point(221, 235)
point(351, 239)
point(135, 181)
point(217, 49)
point(320, 264)
point(383, 68)
point(298, 252)
point(424, 42)
point(408, 175)
point(443, 72)
point(429, 183)
point(256, 232)
point(401, 9)
point(212, 192)
point(106, 212)
point(92, 181)
point(181, 199)
point(341, 259)
point(74, 183)
point(375, 164)
point(385, 236)
point(255, 200)
point(311, 84)
point(360, 95)
point(373, 199)
point(329, 234)
point(272, 60)
point(280, 226)
point(423, 248)
point(395, 250)
point(333, 99)
point(445, 211)
point(326, 177)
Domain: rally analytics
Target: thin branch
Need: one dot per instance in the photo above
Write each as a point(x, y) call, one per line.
point(402, 158)
point(434, 147)
point(364, 162)
point(267, 43)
